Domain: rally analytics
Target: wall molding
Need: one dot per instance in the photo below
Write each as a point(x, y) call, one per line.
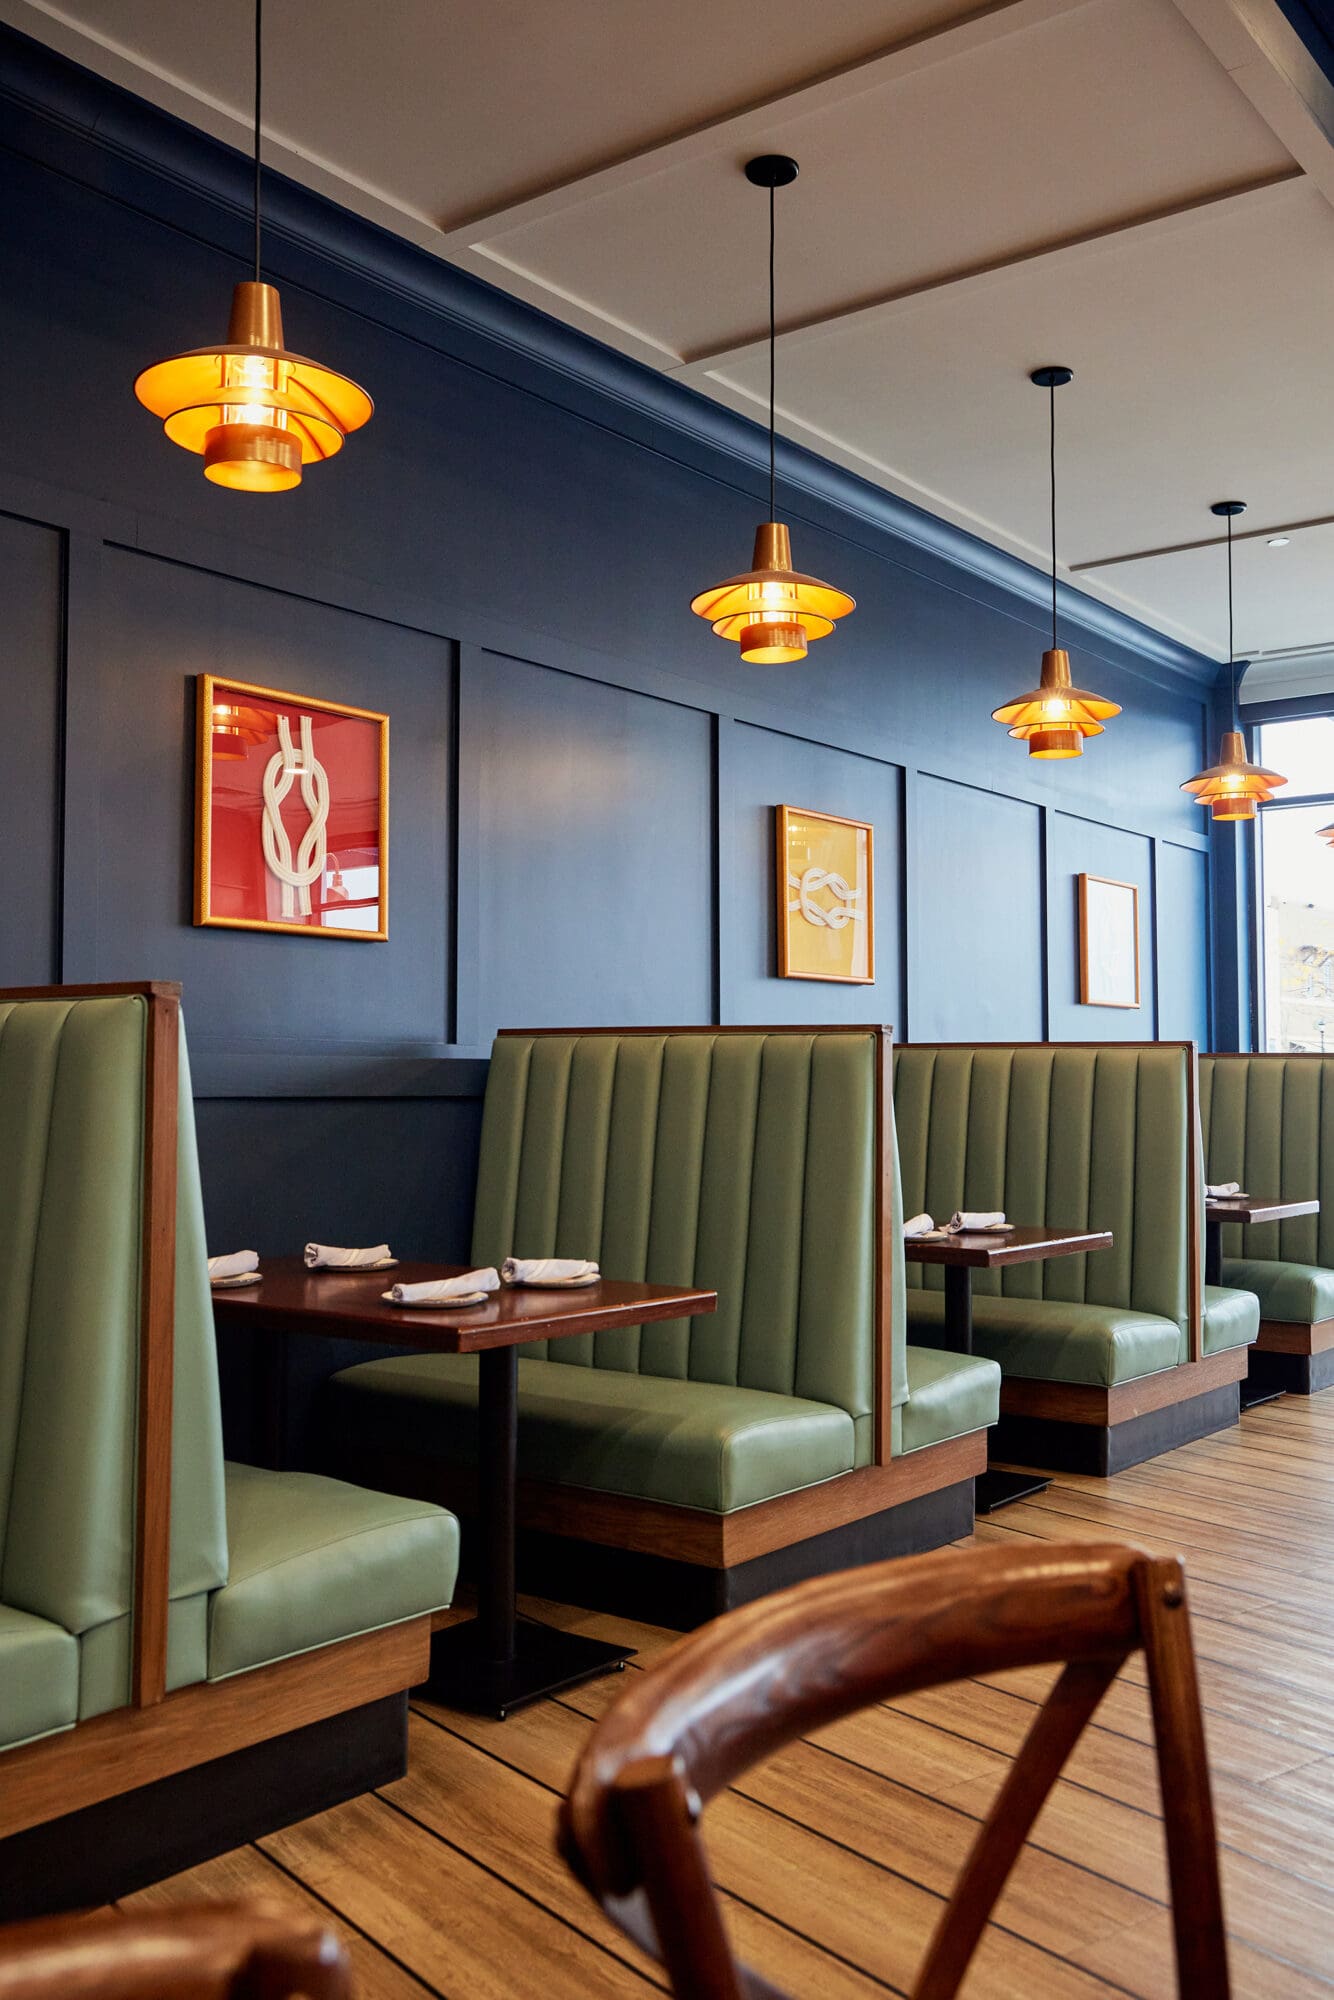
point(166, 169)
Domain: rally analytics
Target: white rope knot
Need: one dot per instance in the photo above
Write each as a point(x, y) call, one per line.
point(284, 768)
point(808, 887)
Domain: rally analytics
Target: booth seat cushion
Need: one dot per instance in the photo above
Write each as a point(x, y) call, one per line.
point(652, 1437)
point(1299, 1292)
point(948, 1396)
point(1229, 1318)
point(314, 1560)
point(1052, 1340)
point(39, 1677)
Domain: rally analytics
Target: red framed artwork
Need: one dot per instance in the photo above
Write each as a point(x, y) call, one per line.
point(292, 813)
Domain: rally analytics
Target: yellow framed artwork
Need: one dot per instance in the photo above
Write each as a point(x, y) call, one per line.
point(291, 813)
point(826, 904)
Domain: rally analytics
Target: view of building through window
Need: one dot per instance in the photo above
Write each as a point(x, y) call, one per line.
point(1297, 887)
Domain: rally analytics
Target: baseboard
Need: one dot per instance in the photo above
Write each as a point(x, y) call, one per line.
point(122, 1844)
point(664, 1591)
point(1056, 1445)
point(1298, 1374)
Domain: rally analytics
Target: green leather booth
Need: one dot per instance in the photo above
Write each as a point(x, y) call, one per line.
point(743, 1161)
point(1073, 1137)
point(1268, 1123)
point(263, 1566)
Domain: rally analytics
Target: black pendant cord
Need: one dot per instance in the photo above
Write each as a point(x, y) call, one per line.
point(772, 337)
point(1051, 392)
point(259, 87)
point(1231, 642)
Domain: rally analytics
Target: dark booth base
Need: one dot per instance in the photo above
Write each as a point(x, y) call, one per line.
point(681, 1595)
point(1104, 1449)
point(123, 1844)
point(1298, 1374)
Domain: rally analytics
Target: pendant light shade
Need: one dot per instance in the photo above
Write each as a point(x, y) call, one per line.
point(1054, 717)
point(773, 611)
point(1233, 787)
point(256, 412)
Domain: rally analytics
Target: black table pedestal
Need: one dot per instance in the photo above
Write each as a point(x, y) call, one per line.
point(992, 1489)
point(1213, 1251)
point(497, 1661)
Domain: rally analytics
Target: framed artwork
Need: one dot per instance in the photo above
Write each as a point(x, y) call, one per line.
point(291, 813)
point(826, 909)
point(1108, 942)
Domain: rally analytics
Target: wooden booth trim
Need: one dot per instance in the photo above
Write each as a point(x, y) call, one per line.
point(1285, 1336)
point(1089, 1403)
point(115, 1753)
point(885, 1164)
point(690, 1534)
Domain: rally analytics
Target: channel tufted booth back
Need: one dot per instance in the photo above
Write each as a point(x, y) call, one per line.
point(741, 1161)
point(1268, 1122)
point(1063, 1136)
point(72, 1084)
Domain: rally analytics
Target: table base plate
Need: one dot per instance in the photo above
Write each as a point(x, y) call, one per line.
point(1250, 1397)
point(546, 1660)
point(999, 1489)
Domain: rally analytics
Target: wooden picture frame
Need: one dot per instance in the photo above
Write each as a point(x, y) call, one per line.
point(282, 844)
point(826, 915)
point(1109, 957)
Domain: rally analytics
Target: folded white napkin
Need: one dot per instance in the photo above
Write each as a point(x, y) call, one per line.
point(1224, 1188)
point(439, 1291)
point(542, 1270)
point(918, 1225)
point(324, 1257)
point(974, 1218)
point(234, 1266)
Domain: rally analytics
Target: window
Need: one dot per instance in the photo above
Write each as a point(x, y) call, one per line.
point(1297, 887)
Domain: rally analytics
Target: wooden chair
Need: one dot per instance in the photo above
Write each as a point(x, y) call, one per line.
point(212, 1951)
point(729, 1695)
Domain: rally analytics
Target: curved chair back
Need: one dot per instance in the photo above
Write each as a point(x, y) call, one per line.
point(731, 1694)
point(215, 1951)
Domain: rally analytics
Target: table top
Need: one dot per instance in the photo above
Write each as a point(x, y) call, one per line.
point(981, 1250)
point(1254, 1208)
point(292, 1299)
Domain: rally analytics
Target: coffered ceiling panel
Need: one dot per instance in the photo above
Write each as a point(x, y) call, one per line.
point(967, 151)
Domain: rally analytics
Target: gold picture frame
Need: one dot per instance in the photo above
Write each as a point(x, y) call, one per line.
point(1109, 957)
point(248, 727)
point(825, 897)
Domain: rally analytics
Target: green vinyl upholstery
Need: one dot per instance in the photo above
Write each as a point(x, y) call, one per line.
point(72, 1084)
point(744, 1162)
point(1070, 1138)
point(1268, 1122)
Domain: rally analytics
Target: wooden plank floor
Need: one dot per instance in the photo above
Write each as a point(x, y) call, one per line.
point(834, 1857)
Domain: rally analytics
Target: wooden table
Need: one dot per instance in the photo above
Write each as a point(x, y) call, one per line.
point(1223, 1208)
point(986, 1250)
point(495, 1661)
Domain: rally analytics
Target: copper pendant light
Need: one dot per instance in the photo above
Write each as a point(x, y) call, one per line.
point(1233, 787)
point(257, 412)
point(1054, 717)
point(773, 610)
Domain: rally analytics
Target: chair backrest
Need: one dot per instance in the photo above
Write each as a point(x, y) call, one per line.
point(82, 1262)
point(1068, 1135)
point(759, 1162)
point(731, 1694)
point(215, 1951)
point(1268, 1122)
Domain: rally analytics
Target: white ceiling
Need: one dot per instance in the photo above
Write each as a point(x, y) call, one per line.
point(1141, 189)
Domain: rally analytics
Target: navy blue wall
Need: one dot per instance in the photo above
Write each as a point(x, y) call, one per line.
point(583, 777)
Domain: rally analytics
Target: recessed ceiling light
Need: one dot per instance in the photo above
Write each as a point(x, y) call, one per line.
point(1278, 541)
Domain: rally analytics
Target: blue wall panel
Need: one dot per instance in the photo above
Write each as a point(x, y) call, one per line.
point(31, 597)
point(977, 972)
point(1183, 912)
point(589, 839)
point(1081, 847)
point(762, 769)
